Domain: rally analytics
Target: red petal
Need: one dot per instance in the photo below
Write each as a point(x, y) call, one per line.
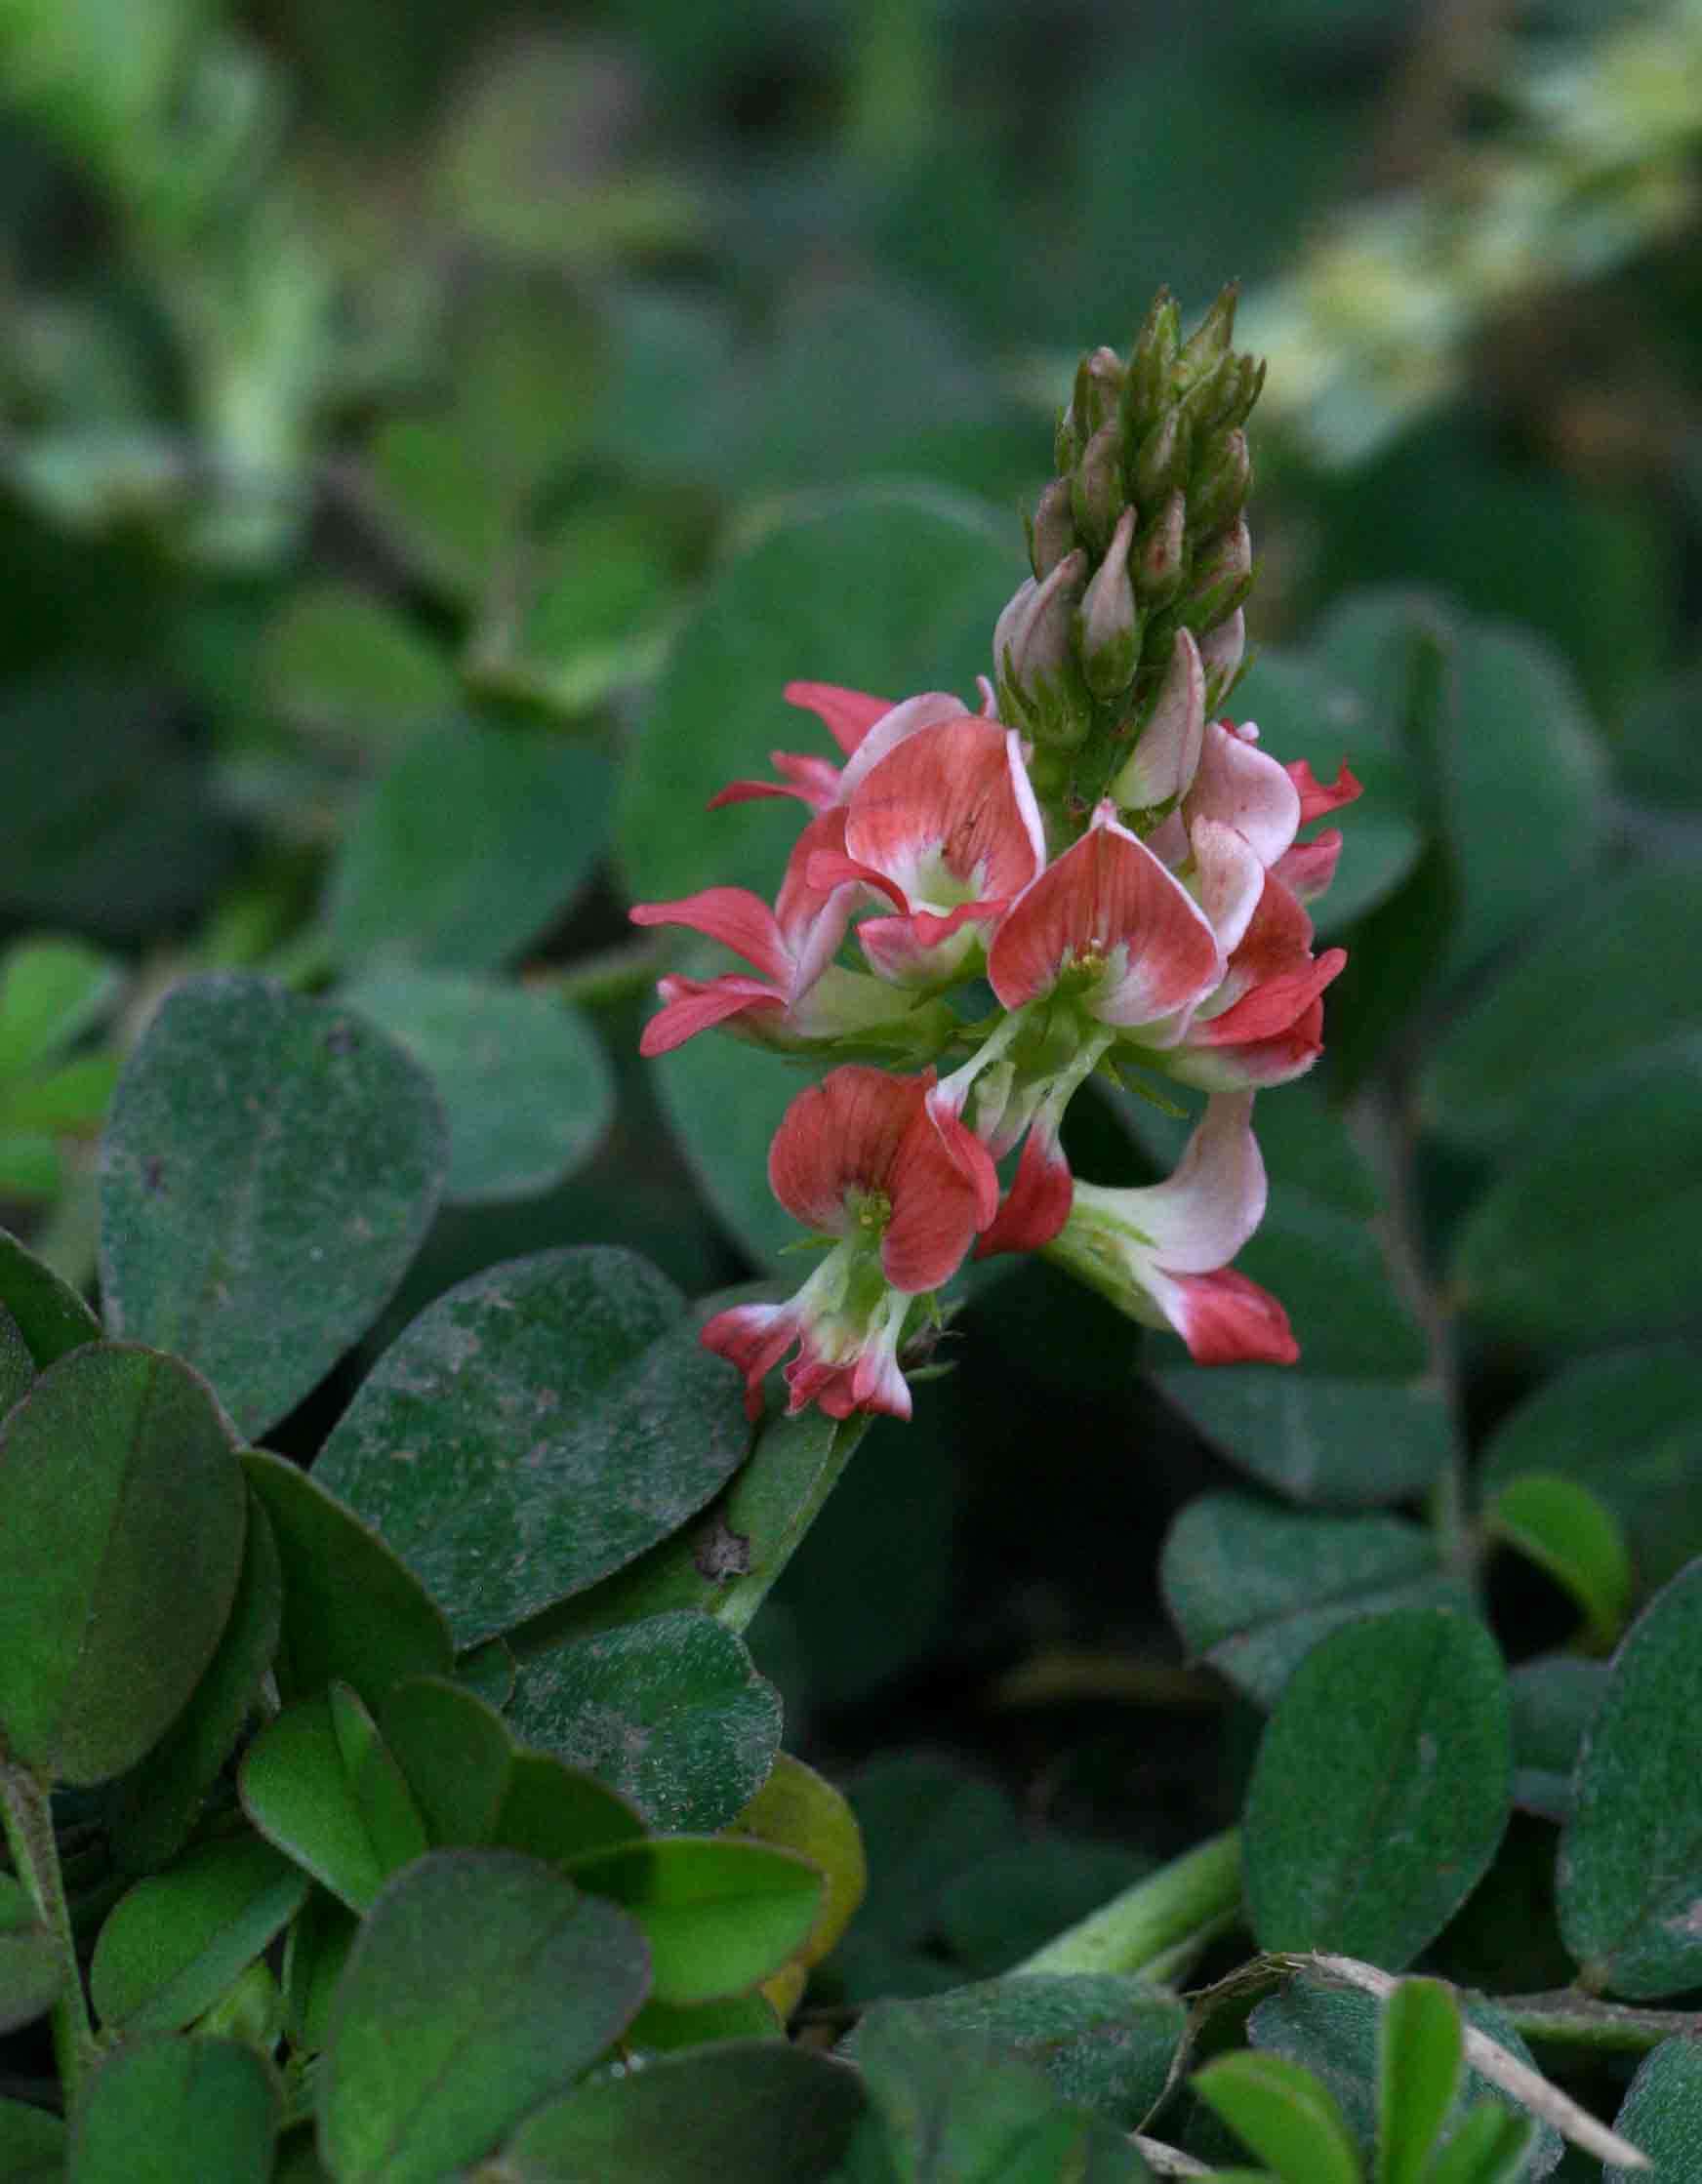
point(1108, 896)
point(1316, 796)
point(754, 1338)
point(1038, 1201)
point(1272, 1005)
point(690, 1007)
point(847, 715)
point(844, 1133)
point(1227, 1319)
point(1309, 867)
point(743, 921)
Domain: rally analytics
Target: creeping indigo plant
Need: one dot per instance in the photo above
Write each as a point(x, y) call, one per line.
point(411, 1804)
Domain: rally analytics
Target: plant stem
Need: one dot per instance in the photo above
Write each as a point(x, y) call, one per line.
point(1150, 1923)
point(1567, 2018)
point(27, 1815)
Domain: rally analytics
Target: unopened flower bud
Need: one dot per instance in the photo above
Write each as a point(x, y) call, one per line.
point(1220, 485)
point(1153, 361)
point(1099, 388)
point(1051, 531)
point(1222, 399)
point(1164, 761)
point(1066, 442)
point(1095, 492)
point(1210, 340)
point(1220, 583)
point(1161, 464)
point(1162, 560)
point(1041, 686)
point(1107, 626)
point(1220, 655)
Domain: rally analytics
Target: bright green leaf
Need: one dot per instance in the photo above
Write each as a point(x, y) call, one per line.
point(1382, 1787)
point(555, 1812)
point(315, 1952)
point(173, 1945)
point(1491, 2147)
point(118, 1559)
point(1627, 1878)
point(53, 989)
point(720, 1913)
point(482, 1983)
point(1420, 2055)
point(796, 1810)
point(1285, 2114)
point(1565, 1530)
point(269, 1169)
point(336, 1803)
point(455, 1755)
point(535, 1427)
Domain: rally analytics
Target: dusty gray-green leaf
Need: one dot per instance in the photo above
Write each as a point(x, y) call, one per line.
point(1662, 2116)
point(473, 842)
point(1253, 1588)
point(1344, 1443)
point(157, 2110)
point(1553, 1702)
point(1382, 1787)
point(669, 1712)
point(481, 1985)
point(535, 1427)
point(738, 2109)
point(173, 1945)
point(118, 1559)
point(269, 1168)
point(525, 1086)
point(1629, 1875)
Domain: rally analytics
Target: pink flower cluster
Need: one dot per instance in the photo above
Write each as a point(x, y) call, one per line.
point(1186, 950)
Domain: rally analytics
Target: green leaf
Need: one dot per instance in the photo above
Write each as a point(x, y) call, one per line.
point(552, 1811)
point(32, 1968)
point(1629, 1877)
point(314, 1953)
point(535, 1427)
point(663, 2028)
point(1567, 1250)
point(336, 662)
point(455, 1755)
point(1489, 2147)
point(669, 1712)
point(1420, 2056)
point(1565, 1530)
point(1344, 1443)
point(156, 2111)
point(481, 1985)
point(1334, 2033)
point(723, 1102)
point(118, 1559)
point(523, 1081)
point(319, 1784)
point(32, 2144)
point(603, 595)
point(1554, 1703)
point(926, 1820)
point(50, 1314)
point(891, 590)
point(1662, 2113)
point(1622, 1426)
point(1104, 2042)
point(53, 989)
point(720, 1913)
point(949, 2110)
point(1005, 1906)
point(351, 1610)
point(796, 1810)
point(488, 1670)
point(173, 1945)
point(1382, 1787)
point(151, 1811)
point(1284, 2113)
point(450, 515)
point(737, 2109)
point(474, 841)
point(1252, 1589)
point(17, 1365)
point(1612, 978)
point(269, 1169)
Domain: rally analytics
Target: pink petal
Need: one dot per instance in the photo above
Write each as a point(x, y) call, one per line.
point(743, 921)
point(956, 795)
point(811, 919)
point(754, 1338)
point(691, 1006)
point(1166, 756)
point(905, 720)
point(1037, 1203)
point(831, 869)
point(1316, 796)
point(923, 950)
point(1272, 1005)
point(1226, 1320)
point(1258, 1064)
point(1238, 785)
point(1230, 877)
point(1108, 897)
point(1309, 867)
point(847, 715)
point(815, 779)
point(841, 1135)
point(1201, 1218)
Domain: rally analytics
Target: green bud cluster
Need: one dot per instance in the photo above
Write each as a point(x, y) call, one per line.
point(1140, 536)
